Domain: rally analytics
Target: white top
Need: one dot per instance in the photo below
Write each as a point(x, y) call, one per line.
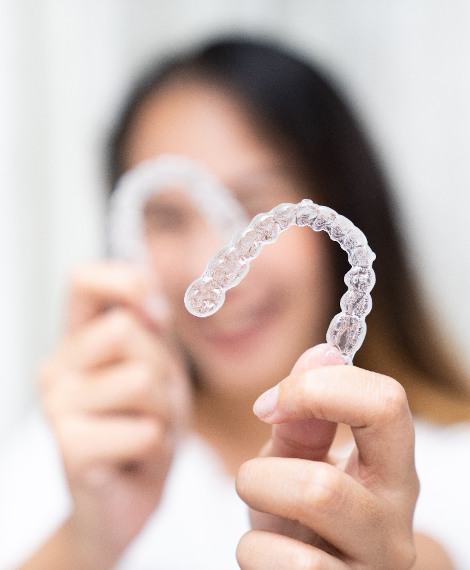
point(201, 518)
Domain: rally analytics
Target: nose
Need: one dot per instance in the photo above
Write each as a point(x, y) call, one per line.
point(201, 247)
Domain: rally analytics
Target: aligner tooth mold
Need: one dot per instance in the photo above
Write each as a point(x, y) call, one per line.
point(155, 176)
point(347, 330)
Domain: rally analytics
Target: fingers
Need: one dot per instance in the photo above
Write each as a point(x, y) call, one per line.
point(311, 438)
point(127, 388)
point(319, 496)
point(258, 550)
point(140, 376)
point(116, 335)
point(319, 355)
point(374, 405)
point(96, 287)
point(88, 442)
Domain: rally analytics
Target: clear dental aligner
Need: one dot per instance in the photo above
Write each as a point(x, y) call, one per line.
point(206, 295)
point(157, 175)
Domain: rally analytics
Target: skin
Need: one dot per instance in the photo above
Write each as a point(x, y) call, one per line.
point(118, 395)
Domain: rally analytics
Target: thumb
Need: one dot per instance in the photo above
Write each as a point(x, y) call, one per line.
point(319, 355)
point(304, 439)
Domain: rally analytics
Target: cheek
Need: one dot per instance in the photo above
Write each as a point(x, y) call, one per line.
point(297, 261)
point(177, 262)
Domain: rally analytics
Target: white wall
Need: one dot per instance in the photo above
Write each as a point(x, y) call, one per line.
point(65, 64)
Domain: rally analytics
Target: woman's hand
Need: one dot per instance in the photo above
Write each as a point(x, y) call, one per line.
point(117, 397)
point(310, 510)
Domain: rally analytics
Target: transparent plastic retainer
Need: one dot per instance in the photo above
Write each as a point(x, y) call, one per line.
point(154, 176)
point(206, 295)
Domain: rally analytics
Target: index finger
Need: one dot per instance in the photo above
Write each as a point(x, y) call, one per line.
point(373, 405)
point(311, 438)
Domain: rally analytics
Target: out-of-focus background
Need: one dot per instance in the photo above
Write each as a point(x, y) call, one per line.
point(66, 64)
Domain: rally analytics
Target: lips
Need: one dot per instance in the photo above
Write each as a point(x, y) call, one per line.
point(241, 327)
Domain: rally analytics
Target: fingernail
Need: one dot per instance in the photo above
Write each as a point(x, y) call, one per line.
point(332, 355)
point(266, 403)
point(319, 355)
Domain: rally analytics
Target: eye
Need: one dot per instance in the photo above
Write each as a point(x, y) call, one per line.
point(165, 218)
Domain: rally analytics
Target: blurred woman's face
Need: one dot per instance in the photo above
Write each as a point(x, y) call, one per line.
point(281, 307)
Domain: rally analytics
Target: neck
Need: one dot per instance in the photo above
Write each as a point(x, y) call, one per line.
point(230, 427)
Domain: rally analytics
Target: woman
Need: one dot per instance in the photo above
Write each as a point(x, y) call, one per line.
point(126, 383)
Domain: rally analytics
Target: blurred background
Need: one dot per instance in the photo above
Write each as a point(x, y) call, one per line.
point(65, 66)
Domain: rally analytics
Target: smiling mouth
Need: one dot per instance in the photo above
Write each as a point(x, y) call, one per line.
point(245, 325)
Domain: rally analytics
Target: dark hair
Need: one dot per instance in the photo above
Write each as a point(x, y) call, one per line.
point(298, 105)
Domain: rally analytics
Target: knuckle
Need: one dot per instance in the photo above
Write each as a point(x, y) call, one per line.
point(306, 389)
point(244, 478)
point(392, 402)
point(150, 439)
point(321, 490)
point(408, 554)
point(245, 548)
point(401, 552)
point(141, 381)
point(123, 325)
point(394, 534)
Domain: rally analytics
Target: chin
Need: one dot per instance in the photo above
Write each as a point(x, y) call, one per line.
point(250, 370)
